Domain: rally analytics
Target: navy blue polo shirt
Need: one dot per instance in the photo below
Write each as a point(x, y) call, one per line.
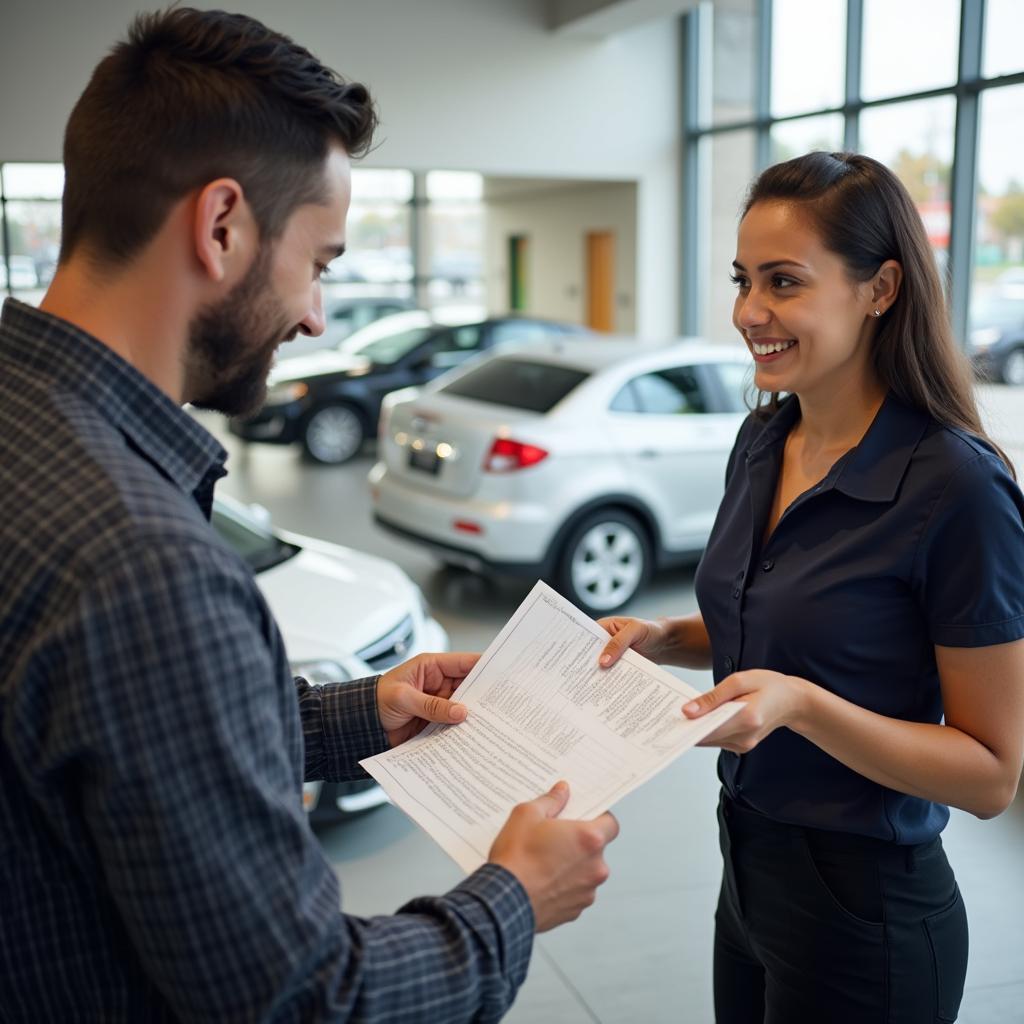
point(915, 538)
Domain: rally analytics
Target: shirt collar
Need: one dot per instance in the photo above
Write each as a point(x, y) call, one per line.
point(158, 427)
point(874, 469)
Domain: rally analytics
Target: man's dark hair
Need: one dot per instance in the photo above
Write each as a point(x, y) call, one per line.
point(191, 96)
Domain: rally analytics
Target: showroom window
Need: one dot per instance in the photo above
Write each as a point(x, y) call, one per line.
point(30, 225)
point(932, 88)
point(410, 236)
point(455, 233)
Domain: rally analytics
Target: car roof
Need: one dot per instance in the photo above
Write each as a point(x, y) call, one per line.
point(598, 353)
point(456, 316)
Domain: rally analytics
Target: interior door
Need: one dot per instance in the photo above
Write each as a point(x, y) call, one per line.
point(601, 281)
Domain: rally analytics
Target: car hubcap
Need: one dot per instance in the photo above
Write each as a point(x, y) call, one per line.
point(334, 435)
point(607, 565)
point(1014, 369)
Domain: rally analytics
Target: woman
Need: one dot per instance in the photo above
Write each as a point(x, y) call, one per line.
point(864, 578)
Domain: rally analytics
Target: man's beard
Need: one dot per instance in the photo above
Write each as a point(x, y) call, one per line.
point(232, 344)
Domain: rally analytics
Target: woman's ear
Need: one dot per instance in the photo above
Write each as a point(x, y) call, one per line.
point(885, 285)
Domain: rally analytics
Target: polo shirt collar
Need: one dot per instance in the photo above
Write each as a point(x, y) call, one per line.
point(150, 419)
point(874, 469)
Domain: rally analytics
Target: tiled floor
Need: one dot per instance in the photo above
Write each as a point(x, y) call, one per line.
point(642, 954)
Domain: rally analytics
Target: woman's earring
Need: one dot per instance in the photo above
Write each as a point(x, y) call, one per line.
point(878, 312)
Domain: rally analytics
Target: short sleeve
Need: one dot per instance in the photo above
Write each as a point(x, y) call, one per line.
point(969, 566)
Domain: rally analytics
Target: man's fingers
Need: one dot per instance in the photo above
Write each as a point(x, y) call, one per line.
point(431, 707)
point(552, 803)
point(456, 664)
point(608, 826)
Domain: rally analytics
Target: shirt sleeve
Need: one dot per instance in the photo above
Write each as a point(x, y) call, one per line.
point(186, 732)
point(969, 566)
point(340, 726)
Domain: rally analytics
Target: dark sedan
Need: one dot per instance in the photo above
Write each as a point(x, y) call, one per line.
point(996, 339)
point(329, 402)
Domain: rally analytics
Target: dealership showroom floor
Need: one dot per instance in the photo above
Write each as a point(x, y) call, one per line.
point(643, 952)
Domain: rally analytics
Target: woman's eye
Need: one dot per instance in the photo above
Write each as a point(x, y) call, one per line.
point(321, 269)
point(781, 281)
point(739, 281)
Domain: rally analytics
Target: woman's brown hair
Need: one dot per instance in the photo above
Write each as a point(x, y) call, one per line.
point(864, 214)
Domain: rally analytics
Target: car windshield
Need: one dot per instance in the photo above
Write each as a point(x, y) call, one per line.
point(260, 548)
point(517, 384)
point(391, 347)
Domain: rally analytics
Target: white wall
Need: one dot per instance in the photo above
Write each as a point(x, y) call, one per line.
point(556, 222)
point(461, 84)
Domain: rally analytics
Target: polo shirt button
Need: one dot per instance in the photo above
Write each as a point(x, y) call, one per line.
point(736, 593)
point(767, 565)
point(729, 664)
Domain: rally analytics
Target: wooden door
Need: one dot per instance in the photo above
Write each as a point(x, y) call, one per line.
point(600, 311)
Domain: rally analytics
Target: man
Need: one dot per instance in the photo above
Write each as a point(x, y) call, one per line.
point(155, 860)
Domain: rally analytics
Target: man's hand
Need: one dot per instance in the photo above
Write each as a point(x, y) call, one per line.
point(417, 692)
point(559, 863)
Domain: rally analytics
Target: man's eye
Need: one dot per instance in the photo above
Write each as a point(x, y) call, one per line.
point(321, 269)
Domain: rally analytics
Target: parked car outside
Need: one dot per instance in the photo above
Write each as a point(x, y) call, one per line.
point(586, 465)
point(343, 317)
point(329, 402)
point(343, 615)
point(996, 337)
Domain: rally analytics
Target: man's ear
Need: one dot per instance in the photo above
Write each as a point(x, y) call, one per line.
point(224, 230)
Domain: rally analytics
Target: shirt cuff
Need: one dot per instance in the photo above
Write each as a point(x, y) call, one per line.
point(351, 727)
point(492, 900)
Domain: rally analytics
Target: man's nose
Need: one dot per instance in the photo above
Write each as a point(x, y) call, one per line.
point(313, 322)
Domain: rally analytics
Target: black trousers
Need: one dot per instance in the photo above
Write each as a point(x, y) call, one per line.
point(831, 928)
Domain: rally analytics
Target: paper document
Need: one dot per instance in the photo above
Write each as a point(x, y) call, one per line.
point(540, 710)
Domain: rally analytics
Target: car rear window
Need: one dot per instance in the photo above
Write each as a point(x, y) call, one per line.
point(517, 383)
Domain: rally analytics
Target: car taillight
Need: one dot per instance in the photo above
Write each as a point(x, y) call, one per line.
point(506, 455)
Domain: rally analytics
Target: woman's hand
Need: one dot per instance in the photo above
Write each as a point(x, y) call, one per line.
point(642, 635)
point(771, 700)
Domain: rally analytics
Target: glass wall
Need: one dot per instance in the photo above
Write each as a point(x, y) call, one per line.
point(455, 231)
point(30, 224)
point(388, 213)
point(932, 88)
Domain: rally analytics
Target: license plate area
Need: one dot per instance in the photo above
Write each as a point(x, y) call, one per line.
point(425, 460)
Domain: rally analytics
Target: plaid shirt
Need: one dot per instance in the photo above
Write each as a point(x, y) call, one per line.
point(155, 859)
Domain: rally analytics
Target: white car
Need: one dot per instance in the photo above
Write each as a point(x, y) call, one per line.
point(343, 614)
point(585, 463)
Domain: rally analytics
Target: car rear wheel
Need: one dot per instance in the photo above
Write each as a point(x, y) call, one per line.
point(1013, 367)
point(333, 434)
point(604, 562)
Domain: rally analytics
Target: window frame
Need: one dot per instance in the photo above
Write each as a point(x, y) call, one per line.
point(970, 84)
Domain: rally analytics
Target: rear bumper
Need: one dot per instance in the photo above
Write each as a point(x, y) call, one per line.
point(513, 537)
point(465, 557)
